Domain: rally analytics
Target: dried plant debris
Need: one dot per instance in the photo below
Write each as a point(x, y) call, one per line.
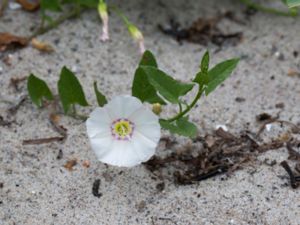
point(15, 82)
point(39, 141)
point(5, 123)
point(294, 179)
point(54, 120)
point(41, 46)
point(8, 40)
point(263, 117)
point(213, 154)
point(58, 128)
point(204, 31)
point(70, 164)
point(29, 5)
point(293, 154)
point(14, 109)
point(294, 128)
point(95, 189)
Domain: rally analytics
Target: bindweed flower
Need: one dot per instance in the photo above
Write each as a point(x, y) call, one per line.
point(123, 132)
point(137, 35)
point(102, 9)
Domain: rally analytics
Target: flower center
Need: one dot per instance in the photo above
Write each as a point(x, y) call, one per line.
point(122, 129)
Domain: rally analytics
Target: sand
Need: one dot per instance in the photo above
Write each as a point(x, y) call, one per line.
point(37, 189)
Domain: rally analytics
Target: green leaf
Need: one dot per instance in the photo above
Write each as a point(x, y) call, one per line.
point(148, 59)
point(205, 62)
point(181, 127)
point(101, 99)
point(219, 73)
point(70, 90)
point(38, 89)
point(202, 76)
point(51, 5)
point(168, 87)
point(89, 3)
point(292, 3)
point(141, 88)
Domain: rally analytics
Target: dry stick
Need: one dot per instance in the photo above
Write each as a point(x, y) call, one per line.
point(293, 154)
point(42, 140)
point(295, 128)
point(288, 169)
point(60, 129)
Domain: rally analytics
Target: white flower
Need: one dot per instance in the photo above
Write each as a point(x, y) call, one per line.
point(123, 132)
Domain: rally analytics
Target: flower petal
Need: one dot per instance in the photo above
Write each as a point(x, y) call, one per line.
point(143, 116)
point(98, 122)
point(101, 144)
point(149, 131)
point(121, 154)
point(123, 106)
point(143, 146)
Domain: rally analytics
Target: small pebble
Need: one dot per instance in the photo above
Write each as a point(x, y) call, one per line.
point(279, 55)
point(74, 69)
point(224, 127)
point(269, 127)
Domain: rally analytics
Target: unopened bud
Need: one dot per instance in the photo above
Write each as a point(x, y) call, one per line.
point(137, 35)
point(156, 108)
point(102, 9)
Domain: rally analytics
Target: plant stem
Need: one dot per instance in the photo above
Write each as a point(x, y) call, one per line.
point(74, 109)
point(180, 107)
point(3, 6)
point(120, 14)
point(262, 8)
point(76, 115)
point(79, 116)
point(188, 108)
point(75, 12)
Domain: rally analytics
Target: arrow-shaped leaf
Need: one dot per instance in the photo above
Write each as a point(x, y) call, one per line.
point(70, 90)
point(141, 88)
point(38, 89)
point(168, 87)
point(219, 73)
point(181, 127)
point(101, 99)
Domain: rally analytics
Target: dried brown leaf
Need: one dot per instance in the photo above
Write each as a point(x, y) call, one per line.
point(70, 164)
point(9, 40)
point(29, 5)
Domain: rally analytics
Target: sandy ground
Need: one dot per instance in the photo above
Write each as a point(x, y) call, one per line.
point(37, 189)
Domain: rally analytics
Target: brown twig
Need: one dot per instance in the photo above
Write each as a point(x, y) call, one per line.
point(293, 154)
point(295, 128)
point(42, 140)
point(13, 110)
point(288, 169)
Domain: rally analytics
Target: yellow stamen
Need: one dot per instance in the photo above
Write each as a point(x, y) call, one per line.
point(122, 128)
